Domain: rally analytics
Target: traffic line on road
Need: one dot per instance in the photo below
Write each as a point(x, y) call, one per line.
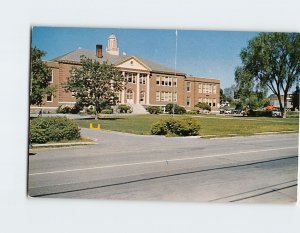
point(167, 161)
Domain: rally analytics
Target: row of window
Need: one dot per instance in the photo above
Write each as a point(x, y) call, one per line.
point(203, 88)
point(166, 81)
point(166, 96)
point(132, 77)
point(210, 102)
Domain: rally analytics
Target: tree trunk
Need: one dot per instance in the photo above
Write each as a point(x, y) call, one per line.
point(284, 106)
point(281, 106)
point(96, 115)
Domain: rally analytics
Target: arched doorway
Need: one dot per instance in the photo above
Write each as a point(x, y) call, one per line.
point(142, 97)
point(130, 96)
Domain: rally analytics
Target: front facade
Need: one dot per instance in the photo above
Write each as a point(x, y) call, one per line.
point(147, 83)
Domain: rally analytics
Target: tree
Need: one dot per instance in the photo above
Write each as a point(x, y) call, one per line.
point(229, 91)
point(222, 96)
point(271, 61)
point(295, 98)
point(94, 83)
point(40, 73)
point(203, 106)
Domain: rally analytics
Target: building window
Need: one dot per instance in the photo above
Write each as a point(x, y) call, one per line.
point(158, 81)
point(175, 82)
point(214, 89)
point(157, 96)
point(143, 78)
point(200, 100)
point(50, 98)
point(214, 102)
point(210, 88)
point(130, 77)
point(166, 96)
point(166, 81)
point(162, 96)
point(129, 94)
point(188, 86)
point(175, 96)
point(169, 96)
point(200, 88)
point(188, 101)
point(169, 81)
point(50, 77)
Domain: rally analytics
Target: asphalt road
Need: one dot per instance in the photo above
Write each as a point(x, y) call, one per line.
point(260, 169)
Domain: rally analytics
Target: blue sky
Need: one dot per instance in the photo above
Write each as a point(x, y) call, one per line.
point(213, 54)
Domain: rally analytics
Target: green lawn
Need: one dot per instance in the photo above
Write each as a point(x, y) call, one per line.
point(210, 125)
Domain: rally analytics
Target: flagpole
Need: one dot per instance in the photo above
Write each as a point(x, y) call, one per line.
point(173, 110)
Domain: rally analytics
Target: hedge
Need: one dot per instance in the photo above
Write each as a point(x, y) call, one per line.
point(53, 129)
point(177, 109)
point(260, 113)
point(106, 111)
point(154, 110)
point(176, 127)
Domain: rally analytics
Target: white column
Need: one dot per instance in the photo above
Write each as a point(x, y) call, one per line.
point(123, 91)
point(148, 89)
point(138, 88)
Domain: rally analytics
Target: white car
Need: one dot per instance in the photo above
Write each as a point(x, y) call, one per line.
point(276, 113)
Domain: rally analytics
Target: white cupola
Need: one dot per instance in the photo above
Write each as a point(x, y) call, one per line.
point(112, 45)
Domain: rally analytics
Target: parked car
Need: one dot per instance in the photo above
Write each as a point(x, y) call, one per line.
point(227, 111)
point(276, 113)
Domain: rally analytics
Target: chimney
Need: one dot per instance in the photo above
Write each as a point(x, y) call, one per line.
point(99, 51)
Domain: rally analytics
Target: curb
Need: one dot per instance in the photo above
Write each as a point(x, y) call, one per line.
point(34, 146)
point(255, 134)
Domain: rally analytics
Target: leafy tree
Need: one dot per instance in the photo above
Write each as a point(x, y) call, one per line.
point(203, 106)
point(40, 72)
point(95, 84)
point(229, 91)
point(295, 98)
point(222, 96)
point(271, 61)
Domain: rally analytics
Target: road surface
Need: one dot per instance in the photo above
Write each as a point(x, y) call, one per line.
point(259, 169)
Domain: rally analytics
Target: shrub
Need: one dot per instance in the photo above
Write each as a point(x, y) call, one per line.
point(192, 112)
point(179, 127)
point(107, 111)
point(53, 129)
point(90, 111)
point(123, 108)
point(177, 109)
point(76, 108)
point(63, 109)
point(154, 110)
point(253, 113)
point(203, 106)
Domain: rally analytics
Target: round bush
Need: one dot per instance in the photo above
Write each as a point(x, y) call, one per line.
point(154, 110)
point(53, 129)
point(176, 126)
point(106, 111)
point(177, 109)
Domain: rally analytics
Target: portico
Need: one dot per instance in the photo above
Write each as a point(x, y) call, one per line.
point(137, 82)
